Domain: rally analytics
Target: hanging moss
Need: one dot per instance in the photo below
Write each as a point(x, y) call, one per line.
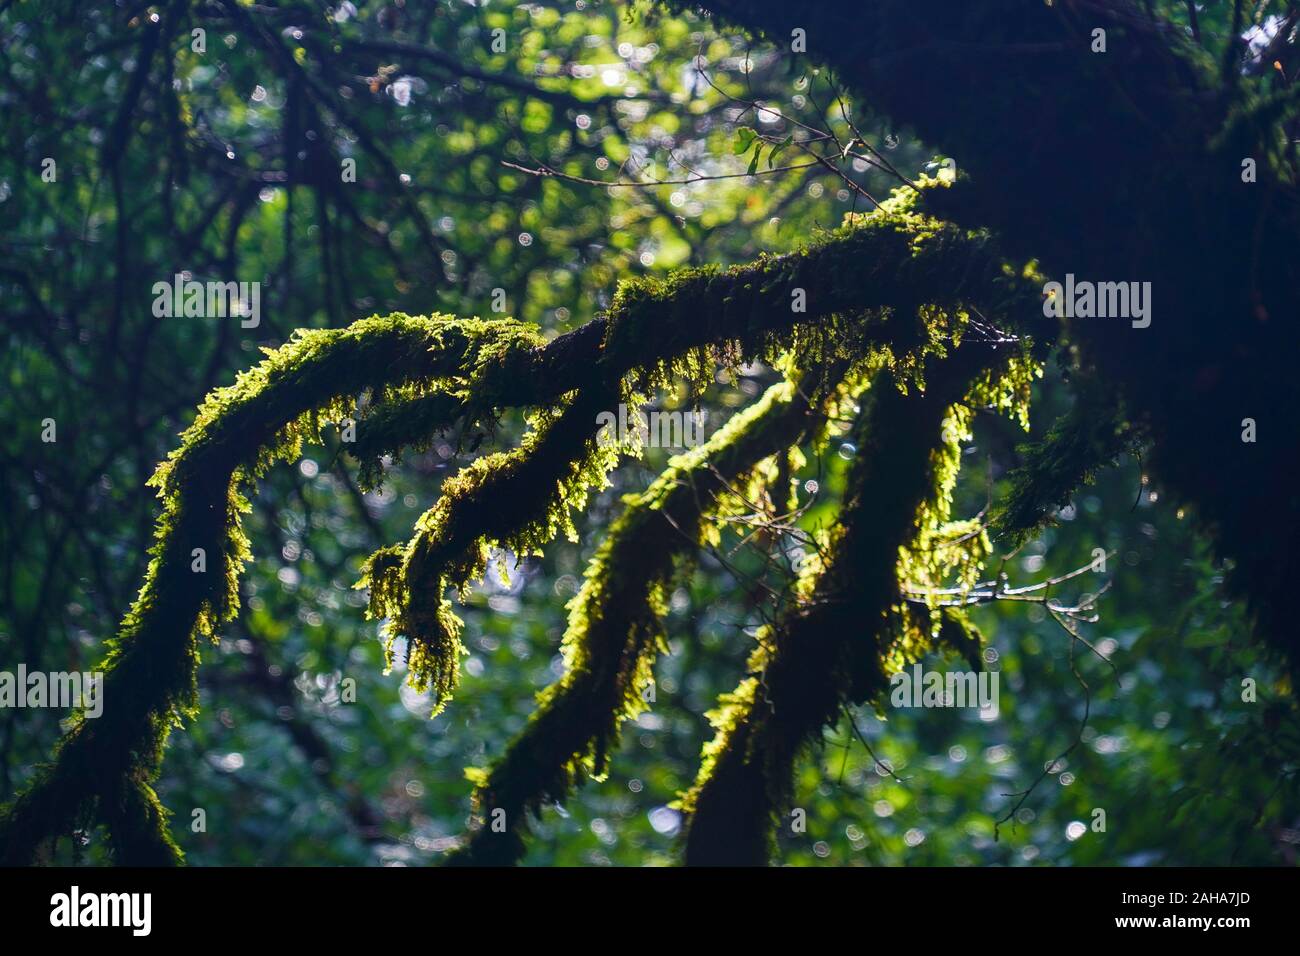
point(833, 647)
point(864, 283)
point(616, 620)
point(392, 428)
point(862, 286)
point(1172, 206)
point(1091, 436)
point(517, 500)
point(103, 769)
point(945, 553)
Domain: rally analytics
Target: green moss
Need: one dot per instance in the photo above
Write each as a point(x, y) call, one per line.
point(862, 287)
point(615, 625)
point(103, 769)
point(1086, 439)
point(517, 500)
point(886, 291)
point(832, 648)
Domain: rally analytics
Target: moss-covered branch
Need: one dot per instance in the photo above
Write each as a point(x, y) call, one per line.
point(104, 768)
point(830, 649)
point(616, 620)
point(517, 500)
point(857, 290)
point(1129, 156)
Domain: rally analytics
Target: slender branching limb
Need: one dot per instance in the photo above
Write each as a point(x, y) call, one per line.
point(616, 620)
point(855, 290)
point(517, 500)
point(830, 648)
point(104, 768)
point(1212, 352)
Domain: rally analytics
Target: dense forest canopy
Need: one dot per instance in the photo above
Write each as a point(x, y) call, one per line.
point(549, 432)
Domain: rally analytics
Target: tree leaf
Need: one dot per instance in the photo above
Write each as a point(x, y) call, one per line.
point(777, 149)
